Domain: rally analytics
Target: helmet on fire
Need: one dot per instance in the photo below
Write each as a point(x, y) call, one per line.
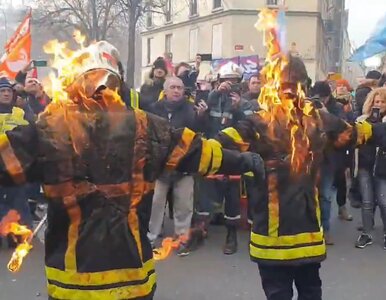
point(93, 68)
point(231, 71)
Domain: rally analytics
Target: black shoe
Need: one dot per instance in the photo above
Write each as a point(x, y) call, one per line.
point(183, 250)
point(363, 241)
point(230, 246)
point(196, 239)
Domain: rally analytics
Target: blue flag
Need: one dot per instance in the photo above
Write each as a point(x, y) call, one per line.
point(374, 45)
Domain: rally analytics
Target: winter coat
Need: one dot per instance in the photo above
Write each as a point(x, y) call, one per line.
point(361, 93)
point(252, 98)
point(222, 114)
point(150, 93)
point(179, 114)
point(366, 154)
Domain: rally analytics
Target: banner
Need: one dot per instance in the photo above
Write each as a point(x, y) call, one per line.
point(250, 64)
point(17, 50)
point(374, 45)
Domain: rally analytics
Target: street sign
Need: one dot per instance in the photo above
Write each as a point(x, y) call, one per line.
point(239, 47)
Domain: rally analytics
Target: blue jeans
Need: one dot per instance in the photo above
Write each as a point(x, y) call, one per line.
point(373, 191)
point(326, 194)
point(15, 198)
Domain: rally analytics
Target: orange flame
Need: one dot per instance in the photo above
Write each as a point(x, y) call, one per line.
point(280, 113)
point(9, 224)
point(168, 246)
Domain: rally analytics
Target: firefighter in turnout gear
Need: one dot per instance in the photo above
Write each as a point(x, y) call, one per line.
point(290, 133)
point(225, 108)
point(96, 160)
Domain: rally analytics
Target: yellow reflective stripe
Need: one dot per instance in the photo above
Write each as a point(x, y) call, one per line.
point(273, 206)
point(317, 207)
point(181, 149)
point(216, 156)
point(74, 214)
point(249, 174)
point(161, 95)
point(127, 292)
point(236, 137)
point(11, 162)
point(287, 240)
point(288, 254)
point(134, 98)
point(100, 278)
point(206, 155)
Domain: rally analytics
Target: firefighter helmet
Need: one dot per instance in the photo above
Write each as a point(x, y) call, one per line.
point(231, 70)
point(94, 67)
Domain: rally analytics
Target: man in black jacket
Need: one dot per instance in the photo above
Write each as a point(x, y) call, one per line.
point(180, 113)
point(153, 86)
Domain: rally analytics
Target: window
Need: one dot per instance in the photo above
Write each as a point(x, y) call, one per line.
point(273, 2)
point(217, 4)
point(193, 8)
point(168, 43)
point(168, 11)
point(149, 19)
point(217, 41)
point(149, 48)
point(193, 43)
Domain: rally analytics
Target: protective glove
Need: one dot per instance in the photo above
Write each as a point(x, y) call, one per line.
point(364, 132)
point(252, 162)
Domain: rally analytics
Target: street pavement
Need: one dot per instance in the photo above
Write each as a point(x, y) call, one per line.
point(347, 274)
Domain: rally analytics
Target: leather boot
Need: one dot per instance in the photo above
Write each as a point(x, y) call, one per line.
point(230, 246)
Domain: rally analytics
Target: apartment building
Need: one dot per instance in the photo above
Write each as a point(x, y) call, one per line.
point(225, 29)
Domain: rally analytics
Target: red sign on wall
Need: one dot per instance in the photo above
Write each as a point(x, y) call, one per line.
point(239, 47)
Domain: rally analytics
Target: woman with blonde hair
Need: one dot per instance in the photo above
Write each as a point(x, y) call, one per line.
point(372, 169)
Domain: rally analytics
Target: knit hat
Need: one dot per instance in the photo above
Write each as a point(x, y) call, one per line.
point(5, 83)
point(321, 88)
point(345, 83)
point(374, 74)
point(160, 63)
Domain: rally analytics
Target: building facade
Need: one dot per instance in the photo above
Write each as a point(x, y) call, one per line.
point(225, 29)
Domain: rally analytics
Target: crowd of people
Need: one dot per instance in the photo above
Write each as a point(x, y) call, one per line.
point(220, 109)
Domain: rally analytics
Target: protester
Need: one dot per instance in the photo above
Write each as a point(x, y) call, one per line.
point(96, 159)
point(151, 90)
point(371, 170)
point(129, 95)
point(180, 112)
point(12, 198)
point(188, 75)
point(333, 159)
point(365, 87)
point(287, 240)
point(343, 95)
point(254, 86)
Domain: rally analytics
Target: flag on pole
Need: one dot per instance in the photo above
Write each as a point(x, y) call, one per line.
point(18, 49)
point(374, 45)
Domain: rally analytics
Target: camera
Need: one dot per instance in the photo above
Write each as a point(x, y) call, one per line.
point(375, 115)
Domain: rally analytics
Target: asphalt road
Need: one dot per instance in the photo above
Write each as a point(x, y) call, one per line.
point(348, 273)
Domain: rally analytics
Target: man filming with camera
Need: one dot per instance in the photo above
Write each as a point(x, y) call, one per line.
point(226, 108)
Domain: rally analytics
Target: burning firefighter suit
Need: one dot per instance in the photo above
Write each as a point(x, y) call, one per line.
point(96, 159)
point(287, 239)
